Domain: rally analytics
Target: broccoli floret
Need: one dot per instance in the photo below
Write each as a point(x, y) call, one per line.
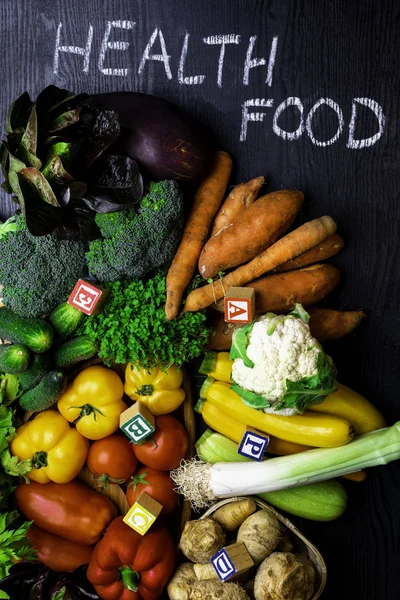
point(136, 244)
point(37, 273)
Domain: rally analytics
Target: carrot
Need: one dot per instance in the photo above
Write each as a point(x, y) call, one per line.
point(237, 200)
point(251, 232)
point(327, 324)
point(291, 245)
point(326, 249)
point(205, 204)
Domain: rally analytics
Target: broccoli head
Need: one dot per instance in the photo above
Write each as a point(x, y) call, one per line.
point(37, 273)
point(133, 244)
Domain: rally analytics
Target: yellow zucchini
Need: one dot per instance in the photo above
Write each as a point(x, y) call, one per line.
point(234, 430)
point(349, 405)
point(310, 429)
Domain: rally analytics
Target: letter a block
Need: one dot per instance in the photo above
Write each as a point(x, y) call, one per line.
point(87, 298)
point(239, 305)
point(232, 561)
point(137, 422)
point(253, 444)
point(143, 513)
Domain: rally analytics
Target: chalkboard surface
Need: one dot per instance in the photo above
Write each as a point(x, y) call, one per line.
point(307, 94)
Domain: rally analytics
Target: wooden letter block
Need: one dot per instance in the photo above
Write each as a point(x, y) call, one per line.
point(143, 513)
point(87, 298)
point(232, 561)
point(239, 305)
point(253, 444)
point(137, 422)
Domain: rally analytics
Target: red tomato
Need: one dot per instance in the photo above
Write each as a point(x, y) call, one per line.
point(166, 448)
point(156, 484)
point(111, 459)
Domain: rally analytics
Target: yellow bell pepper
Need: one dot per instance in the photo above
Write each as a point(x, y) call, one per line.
point(93, 401)
point(160, 390)
point(57, 451)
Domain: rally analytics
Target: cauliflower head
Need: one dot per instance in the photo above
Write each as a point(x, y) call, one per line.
point(279, 366)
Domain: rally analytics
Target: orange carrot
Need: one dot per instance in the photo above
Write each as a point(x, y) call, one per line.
point(326, 249)
point(237, 200)
point(205, 204)
point(291, 245)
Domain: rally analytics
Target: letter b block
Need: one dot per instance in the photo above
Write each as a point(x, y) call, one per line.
point(232, 561)
point(253, 445)
point(137, 422)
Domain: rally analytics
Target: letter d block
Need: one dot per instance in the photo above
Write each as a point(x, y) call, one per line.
point(232, 561)
point(253, 444)
point(239, 305)
point(143, 513)
point(137, 422)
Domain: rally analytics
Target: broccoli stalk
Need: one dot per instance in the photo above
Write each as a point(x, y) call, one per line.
point(135, 245)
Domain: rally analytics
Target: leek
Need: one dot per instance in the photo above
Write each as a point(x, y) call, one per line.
point(320, 501)
point(202, 483)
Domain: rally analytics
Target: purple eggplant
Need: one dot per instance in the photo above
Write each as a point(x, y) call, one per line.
point(161, 137)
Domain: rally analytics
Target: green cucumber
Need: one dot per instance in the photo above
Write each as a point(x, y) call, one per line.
point(45, 394)
point(320, 501)
point(75, 350)
point(14, 358)
point(34, 333)
point(66, 319)
point(41, 364)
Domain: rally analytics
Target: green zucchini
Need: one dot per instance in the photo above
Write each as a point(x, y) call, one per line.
point(41, 364)
point(14, 358)
point(66, 319)
point(34, 333)
point(75, 350)
point(45, 394)
point(320, 501)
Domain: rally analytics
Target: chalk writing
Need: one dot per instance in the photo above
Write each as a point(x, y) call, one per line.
point(257, 110)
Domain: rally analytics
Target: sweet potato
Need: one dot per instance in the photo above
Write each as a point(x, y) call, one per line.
point(291, 245)
point(254, 230)
point(238, 200)
point(326, 249)
point(327, 324)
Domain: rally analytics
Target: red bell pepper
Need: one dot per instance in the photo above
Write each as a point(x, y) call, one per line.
point(128, 566)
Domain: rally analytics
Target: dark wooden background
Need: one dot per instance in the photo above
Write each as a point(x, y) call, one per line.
point(331, 48)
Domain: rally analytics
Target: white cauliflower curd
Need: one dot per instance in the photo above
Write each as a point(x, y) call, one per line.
point(279, 352)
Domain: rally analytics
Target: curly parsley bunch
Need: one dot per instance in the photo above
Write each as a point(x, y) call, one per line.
point(132, 326)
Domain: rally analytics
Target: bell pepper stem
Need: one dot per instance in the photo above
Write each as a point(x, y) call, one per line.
point(145, 390)
point(39, 460)
point(86, 410)
point(129, 578)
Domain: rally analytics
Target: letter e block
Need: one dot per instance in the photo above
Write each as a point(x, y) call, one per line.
point(87, 298)
point(137, 422)
point(239, 305)
point(143, 513)
point(232, 561)
point(253, 444)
